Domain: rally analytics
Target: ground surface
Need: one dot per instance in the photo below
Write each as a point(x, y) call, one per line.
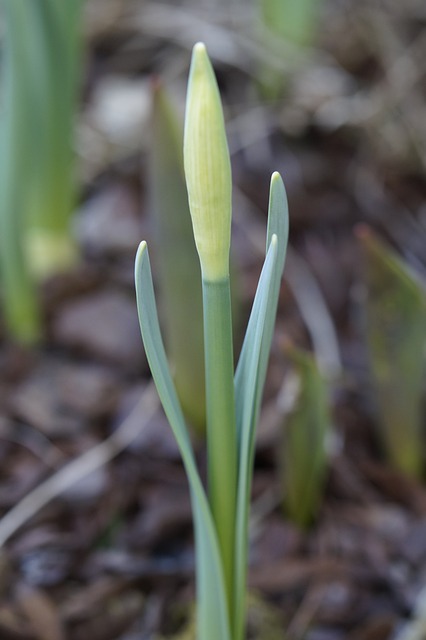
point(110, 556)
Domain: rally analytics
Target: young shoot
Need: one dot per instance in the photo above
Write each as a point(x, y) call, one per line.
point(233, 399)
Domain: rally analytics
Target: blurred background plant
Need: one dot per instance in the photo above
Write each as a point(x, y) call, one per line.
point(40, 81)
point(293, 21)
point(306, 435)
point(178, 264)
point(396, 336)
point(288, 30)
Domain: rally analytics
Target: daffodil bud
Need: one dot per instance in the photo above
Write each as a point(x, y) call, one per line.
point(207, 168)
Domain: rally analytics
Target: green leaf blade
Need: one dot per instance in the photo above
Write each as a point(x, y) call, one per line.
point(277, 225)
point(250, 378)
point(246, 417)
point(213, 622)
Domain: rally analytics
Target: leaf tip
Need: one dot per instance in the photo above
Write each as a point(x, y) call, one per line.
point(142, 248)
point(277, 183)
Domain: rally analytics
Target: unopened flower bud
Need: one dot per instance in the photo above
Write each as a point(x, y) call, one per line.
point(207, 167)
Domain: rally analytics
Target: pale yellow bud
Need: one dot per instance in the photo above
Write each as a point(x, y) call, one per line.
point(207, 167)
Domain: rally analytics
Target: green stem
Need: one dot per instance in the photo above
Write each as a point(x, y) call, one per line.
point(221, 424)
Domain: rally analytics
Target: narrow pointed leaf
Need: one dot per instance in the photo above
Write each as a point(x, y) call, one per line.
point(278, 225)
point(212, 610)
point(247, 408)
point(250, 378)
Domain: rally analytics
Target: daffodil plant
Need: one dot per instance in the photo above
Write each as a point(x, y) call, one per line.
point(39, 82)
point(233, 399)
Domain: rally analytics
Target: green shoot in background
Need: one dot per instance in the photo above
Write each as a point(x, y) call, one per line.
point(233, 402)
point(19, 296)
point(39, 80)
point(396, 334)
point(181, 308)
point(287, 29)
point(303, 457)
point(292, 21)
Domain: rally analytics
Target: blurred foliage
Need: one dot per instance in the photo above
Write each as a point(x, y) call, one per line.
point(288, 27)
point(20, 304)
point(396, 334)
point(39, 81)
point(264, 622)
point(306, 430)
point(292, 21)
point(177, 260)
point(54, 64)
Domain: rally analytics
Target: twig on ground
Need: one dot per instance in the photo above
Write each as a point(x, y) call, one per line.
point(81, 466)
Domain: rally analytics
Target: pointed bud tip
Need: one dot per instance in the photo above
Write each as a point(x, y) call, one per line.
point(199, 47)
point(200, 57)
